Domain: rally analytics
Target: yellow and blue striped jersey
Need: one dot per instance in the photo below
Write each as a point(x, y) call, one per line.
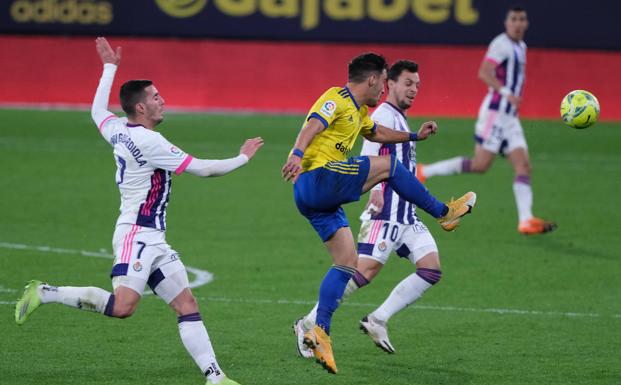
point(343, 120)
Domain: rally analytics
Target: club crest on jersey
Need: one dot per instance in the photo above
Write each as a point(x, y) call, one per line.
point(382, 246)
point(137, 266)
point(328, 108)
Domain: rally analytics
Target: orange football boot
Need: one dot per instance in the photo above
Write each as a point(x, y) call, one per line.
point(321, 345)
point(536, 226)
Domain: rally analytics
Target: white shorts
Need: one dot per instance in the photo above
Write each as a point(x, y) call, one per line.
point(499, 133)
point(377, 239)
point(142, 257)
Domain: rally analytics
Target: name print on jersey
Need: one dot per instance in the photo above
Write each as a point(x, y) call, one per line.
point(131, 146)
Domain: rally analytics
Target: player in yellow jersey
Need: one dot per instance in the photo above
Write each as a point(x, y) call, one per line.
point(325, 178)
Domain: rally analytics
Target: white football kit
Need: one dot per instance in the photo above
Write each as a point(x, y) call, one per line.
point(396, 227)
point(145, 162)
point(498, 128)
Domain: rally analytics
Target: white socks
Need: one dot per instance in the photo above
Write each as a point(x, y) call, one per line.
point(523, 197)
point(196, 341)
point(84, 298)
point(446, 167)
point(405, 293)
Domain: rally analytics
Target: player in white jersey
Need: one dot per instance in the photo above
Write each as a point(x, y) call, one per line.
point(389, 222)
point(145, 163)
point(498, 128)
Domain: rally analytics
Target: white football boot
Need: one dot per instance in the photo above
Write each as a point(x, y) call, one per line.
point(377, 331)
point(298, 329)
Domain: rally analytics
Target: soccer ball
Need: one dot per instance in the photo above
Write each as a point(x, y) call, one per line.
point(580, 109)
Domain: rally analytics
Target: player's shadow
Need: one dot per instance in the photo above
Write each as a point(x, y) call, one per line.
point(406, 372)
point(569, 248)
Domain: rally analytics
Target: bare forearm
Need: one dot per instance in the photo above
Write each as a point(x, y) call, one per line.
point(489, 79)
point(306, 136)
point(386, 135)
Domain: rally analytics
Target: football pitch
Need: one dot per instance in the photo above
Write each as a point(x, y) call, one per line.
point(509, 309)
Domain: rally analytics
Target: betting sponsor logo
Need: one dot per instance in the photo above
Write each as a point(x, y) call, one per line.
point(342, 148)
point(311, 12)
point(328, 108)
point(181, 8)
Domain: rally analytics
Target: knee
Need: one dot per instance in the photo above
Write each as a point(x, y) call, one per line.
point(369, 271)
point(479, 167)
point(187, 305)
point(522, 168)
point(123, 310)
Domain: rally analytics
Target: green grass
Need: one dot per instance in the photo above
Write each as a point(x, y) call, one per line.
point(58, 190)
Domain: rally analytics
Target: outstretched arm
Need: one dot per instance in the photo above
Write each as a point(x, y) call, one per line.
point(210, 167)
point(386, 135)
point(110, 60)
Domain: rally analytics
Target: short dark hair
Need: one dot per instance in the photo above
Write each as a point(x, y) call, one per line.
point(516, 8)
point(399, 66)
point(133, 92)
point(365, 65)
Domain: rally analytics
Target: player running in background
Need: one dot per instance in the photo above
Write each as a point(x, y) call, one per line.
point(390, 222)
point(145, 162)
point(324, 179)
point(498, 129)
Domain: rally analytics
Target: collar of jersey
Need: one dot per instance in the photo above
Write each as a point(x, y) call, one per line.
point(133, 125)
point(395, 108)
point(351, 97)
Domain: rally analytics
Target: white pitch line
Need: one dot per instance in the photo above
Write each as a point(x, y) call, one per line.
point(420, 307)
point(201, 277)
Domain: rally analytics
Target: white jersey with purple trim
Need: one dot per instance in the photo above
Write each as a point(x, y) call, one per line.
point(396, 209)
point(145, 161)
point(510, 59)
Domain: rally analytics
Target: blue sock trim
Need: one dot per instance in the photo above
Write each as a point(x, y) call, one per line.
point(109, 306)
point(189, 317)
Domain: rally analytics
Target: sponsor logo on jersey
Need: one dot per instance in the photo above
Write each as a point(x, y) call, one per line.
point(413, 153)
point(137, 266)
point(342, 148)
point(328, 108)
